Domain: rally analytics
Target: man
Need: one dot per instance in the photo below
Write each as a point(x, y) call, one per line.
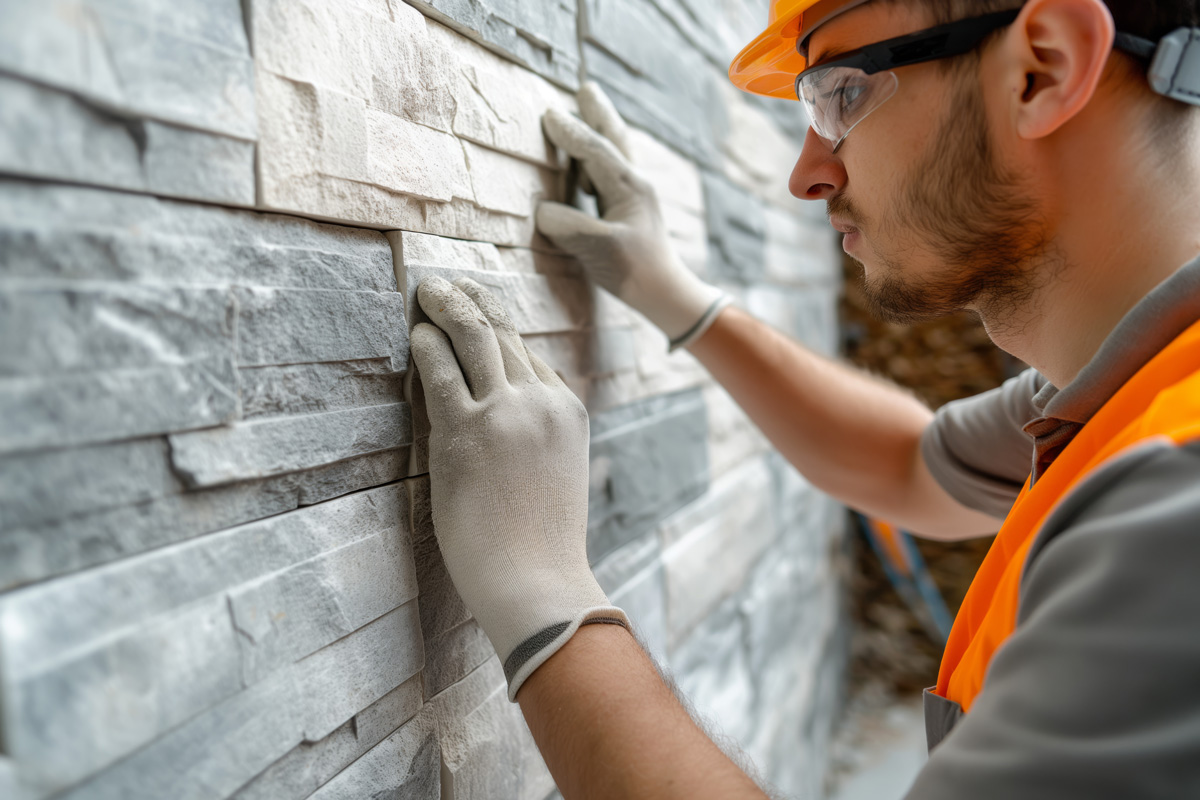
point(1024, 160)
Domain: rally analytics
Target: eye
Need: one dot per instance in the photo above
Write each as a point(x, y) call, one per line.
point(849, 96)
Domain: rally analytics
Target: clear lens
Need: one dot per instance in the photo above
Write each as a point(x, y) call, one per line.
point(838, 98)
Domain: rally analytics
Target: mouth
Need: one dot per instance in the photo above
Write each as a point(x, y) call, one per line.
point(842, 226)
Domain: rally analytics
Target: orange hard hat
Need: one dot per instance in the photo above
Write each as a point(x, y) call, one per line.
point(769, 65)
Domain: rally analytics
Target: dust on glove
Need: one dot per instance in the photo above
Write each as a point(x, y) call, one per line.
point(626, 249)
point(508, 474)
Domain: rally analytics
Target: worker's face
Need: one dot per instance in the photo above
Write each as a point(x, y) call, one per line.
point(928, 206)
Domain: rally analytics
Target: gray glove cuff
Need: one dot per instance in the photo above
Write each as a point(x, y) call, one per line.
point(696, 331)
point(537, 649)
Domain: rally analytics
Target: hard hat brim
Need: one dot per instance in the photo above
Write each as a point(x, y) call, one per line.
point(769, 64)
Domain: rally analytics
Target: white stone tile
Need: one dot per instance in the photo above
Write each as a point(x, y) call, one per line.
point(710, 546)
point(412, 159)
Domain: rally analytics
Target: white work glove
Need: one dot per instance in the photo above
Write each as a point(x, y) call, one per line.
point(508, 474)
point(626, 250)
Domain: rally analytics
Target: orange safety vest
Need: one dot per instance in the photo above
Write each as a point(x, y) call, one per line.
point(1161, 401)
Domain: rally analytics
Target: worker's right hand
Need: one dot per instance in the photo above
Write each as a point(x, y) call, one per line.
point(626, 250)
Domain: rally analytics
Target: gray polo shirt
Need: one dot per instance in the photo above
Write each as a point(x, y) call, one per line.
point(1097, 692)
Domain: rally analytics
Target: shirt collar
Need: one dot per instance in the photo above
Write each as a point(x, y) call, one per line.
point(1157, 319)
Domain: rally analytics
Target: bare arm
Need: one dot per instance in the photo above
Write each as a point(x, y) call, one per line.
point(608, 727)
point(853, 436)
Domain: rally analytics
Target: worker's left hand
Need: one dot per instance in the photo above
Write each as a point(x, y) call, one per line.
point(508, 473)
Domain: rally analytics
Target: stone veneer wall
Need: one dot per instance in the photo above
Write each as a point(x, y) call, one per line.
point(218, 576)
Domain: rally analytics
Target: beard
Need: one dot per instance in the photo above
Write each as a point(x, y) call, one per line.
point(964, 208)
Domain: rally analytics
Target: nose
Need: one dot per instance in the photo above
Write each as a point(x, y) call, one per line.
point(818, 174)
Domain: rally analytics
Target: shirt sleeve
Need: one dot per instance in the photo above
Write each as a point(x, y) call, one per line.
point(1096, 693)
point(977, 449)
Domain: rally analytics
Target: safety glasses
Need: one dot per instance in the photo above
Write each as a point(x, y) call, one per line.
point(841, 92)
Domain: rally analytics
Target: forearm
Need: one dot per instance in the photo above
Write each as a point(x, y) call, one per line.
point(608, 727)
point(852, 435)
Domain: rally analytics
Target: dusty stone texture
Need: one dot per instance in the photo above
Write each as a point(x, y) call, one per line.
point(70, 233)
point(487, 750)
point(736, 231)
point(540, 36)
point(382, 117)
point(96, 532)
point(47, 133)
point(647, 460)
point(80, 366)
point(99, 665)
point(405, 764)
point(261, 448)
point(217, 752)
point(310, 765)
point(711, 545)
point(732, 437)
point(187, 63)
point(655, 79)
point(290, 389)
point(800, 250)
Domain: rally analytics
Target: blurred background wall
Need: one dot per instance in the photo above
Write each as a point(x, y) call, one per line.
point(218, 575)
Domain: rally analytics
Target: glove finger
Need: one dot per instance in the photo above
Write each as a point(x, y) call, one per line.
point(474, 340)
point(443, 386)
point(565, 225)
point(512, 349)
point(542, 370)
point(605, 165)
point(598, 111)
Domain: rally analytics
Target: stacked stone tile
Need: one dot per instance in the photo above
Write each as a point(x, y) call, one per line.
point(218, 571)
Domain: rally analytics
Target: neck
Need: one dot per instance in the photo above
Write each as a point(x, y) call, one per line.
point(1121, 231)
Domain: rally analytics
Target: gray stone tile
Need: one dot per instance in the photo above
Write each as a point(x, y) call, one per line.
point(711, 669)
point(219, 751)
point(292, 389)
point(487, 750)
point(736, 231)
point(454, 644)
point(310, 765)
point(46, 133)
point(288, 614)
point(632, 577)
point(187, 63)
point(55, 484)
point(261, 448)
point(710, 547)
point(541, 36)
point(71, 233)
point(32, 552)
point(654, 77)
point(281, 326)
point(406, 764)
point(648, 459)
point(53, 624)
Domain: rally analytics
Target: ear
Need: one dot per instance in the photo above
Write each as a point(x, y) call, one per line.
point(1059, 49)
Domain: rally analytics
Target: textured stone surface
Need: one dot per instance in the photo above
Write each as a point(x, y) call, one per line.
point(647, 460)
point(711, 545)
point(377, 116)
point(540, 35)
point(69, 647)
point(187, 62)
point(35, 550)
point(656, 81)
point(311, 765)
point(632, 577)
point(47, 133)
point(736, 231)
point(405, 764)
point(69, 233)
point(260, 448)
point(220, 750)
point(487, 750)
